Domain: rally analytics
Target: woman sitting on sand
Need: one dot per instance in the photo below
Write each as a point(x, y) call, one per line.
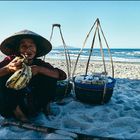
point(41, 88)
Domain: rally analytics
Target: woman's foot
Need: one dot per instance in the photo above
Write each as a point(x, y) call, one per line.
point(20, 115)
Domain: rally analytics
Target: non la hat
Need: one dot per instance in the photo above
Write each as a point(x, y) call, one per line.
point(10, 44)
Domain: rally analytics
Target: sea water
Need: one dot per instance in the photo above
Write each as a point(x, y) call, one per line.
point(119, 55)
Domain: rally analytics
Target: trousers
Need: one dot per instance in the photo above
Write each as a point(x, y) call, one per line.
point(39, 92)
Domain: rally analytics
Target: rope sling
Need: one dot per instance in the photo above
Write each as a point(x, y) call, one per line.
point(67, 56)
point(98, 31)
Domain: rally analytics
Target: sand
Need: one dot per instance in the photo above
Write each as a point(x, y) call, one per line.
point(119, 118)
point(121, 69)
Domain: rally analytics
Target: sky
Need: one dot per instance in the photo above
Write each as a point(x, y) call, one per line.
point(120, 20)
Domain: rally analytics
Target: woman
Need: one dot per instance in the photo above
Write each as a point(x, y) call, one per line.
point(41, 88)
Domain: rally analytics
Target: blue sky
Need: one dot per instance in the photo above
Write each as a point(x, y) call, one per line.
point(120, 20)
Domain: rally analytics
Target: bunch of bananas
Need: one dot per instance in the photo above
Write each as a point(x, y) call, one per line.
point(21, 77)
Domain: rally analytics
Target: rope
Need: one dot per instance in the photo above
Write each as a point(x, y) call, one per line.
point(58, 25)
point(111, 60)
point(102, 53)
point(101, 50)
point(91, 50)
point(50, 41)
point(75, 66)
point(67, 55)
point(68, 61)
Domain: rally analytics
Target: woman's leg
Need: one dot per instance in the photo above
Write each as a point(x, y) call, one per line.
point(31, 100)
point(9, 99)
point(43, 90)
point(7, 103)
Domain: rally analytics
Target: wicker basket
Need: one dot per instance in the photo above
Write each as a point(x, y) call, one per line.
point(99, 89)
point(63, 89)
point(94, 94)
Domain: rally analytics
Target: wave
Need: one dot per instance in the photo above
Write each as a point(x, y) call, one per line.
point(121, 55)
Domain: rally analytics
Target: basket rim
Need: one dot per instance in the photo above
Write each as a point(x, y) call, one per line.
point(94, 86)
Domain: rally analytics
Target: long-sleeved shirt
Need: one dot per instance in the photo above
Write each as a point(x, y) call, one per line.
point(38, 62)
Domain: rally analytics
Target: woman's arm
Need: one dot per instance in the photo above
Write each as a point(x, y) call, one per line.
point(10, 67)
point(51, 72)
point(4, 71)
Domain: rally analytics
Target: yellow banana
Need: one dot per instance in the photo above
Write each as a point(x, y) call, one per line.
point(20, 78)
point(14, 78)
point(23, 79)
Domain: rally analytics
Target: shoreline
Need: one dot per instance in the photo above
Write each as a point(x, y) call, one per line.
point(85, 60)
point(96, 61)
point(129, 70)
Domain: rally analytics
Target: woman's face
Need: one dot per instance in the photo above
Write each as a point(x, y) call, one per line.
point(28, 47)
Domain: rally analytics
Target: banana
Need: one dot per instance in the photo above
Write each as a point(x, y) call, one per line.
point(23, 79)
point(20, 78)
point(14, 78)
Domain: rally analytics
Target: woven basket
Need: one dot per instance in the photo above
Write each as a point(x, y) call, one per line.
point(63, 89)
point(94, 94)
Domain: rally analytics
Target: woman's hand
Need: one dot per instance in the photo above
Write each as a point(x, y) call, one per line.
point(14, 65)
point(45, 71)
point(35, 69)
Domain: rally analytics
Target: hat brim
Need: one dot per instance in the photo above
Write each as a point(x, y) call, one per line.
point(10, 45)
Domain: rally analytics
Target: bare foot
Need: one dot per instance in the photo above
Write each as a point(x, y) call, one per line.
point(20, 115)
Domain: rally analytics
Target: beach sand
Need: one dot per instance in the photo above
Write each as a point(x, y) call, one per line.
point(119, 118)
point(121, 69)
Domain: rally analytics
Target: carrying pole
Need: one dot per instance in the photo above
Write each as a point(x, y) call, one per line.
point(47, 130)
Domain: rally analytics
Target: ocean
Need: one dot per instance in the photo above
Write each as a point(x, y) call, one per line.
point(118, 55)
